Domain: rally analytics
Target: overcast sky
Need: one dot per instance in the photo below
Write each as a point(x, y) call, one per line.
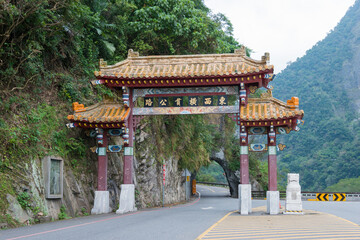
point(284, 28)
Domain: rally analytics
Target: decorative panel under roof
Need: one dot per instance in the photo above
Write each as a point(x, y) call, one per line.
point(106, 114)
point(186, 70)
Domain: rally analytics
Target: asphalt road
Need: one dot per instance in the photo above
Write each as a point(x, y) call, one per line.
point(347, 210)
point(179, 222)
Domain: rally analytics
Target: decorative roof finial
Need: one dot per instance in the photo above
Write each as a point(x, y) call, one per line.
point(132, 54)
point(266, 58)
point(268, 93)
point(241, 51)
point(293, 103)
point(102, 63)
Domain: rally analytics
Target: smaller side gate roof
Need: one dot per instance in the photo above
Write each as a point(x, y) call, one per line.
point(107, 114)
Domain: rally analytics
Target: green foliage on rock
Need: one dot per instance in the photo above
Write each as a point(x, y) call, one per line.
point(327, 148)
point(187, 138)
point(63, 215)
point(24, 200)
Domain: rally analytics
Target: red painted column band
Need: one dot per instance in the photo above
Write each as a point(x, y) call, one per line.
point(129, 151)
point(244, 169)
point(102, 160)
point(272, 166)
point(244, 157)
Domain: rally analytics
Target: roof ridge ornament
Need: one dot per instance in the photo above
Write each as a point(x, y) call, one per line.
point(266, 58)
point(268, 93)
point(241, 51)
point(102, 63)
point(132, 54)
point(293, 103)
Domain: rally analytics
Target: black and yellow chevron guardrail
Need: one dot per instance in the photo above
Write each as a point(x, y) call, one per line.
point(339, 197)
point(322, 197)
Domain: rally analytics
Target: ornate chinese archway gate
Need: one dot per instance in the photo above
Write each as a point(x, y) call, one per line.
point(206, 81)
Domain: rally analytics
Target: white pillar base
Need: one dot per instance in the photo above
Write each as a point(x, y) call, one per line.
point(101, 203)
point(273, 202)
point(127, 199)
point(244, 199)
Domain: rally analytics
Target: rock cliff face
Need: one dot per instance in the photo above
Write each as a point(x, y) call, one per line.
point(77, 195)
point(149, 174)
point(79, 186)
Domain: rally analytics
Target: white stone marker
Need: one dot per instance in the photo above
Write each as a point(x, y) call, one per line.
point(293, 204)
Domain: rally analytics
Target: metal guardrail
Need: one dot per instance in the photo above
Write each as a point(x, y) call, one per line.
point(262, 194)
point(308, 196)
point(312, 196)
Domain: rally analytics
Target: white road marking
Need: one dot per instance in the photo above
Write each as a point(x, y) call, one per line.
point(206, 208)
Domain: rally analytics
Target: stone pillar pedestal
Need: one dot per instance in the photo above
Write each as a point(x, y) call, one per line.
point(244, 199)
point(127, 199)
point(273, 202)
point(101, 203)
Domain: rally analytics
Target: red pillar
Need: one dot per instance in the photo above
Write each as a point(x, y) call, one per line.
point(102, 160)
point(129, 150)
point(244, 157)
point(272, 168)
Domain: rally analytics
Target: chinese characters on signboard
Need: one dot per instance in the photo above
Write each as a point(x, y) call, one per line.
point(148, 102)
point(193, 101)
point(178, 101)
point(163, 102)
point(208, 101)
point(222, 101)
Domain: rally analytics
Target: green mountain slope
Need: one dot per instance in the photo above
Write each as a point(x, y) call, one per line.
point(327, 81)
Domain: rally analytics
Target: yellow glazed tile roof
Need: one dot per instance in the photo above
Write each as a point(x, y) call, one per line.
point(261, 109)
point(103, 112)
point(231, 64)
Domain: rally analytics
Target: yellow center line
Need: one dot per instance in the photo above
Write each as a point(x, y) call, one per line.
point(213, 233)
point(214, 225)
point(208, 188)
point(285, 237)
point(335, 236)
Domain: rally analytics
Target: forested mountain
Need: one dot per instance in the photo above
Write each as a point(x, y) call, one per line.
point(327, 82)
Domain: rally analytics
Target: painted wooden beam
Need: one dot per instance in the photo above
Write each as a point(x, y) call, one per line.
point(185, 110)
point(195, 81)
point(222, 90)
